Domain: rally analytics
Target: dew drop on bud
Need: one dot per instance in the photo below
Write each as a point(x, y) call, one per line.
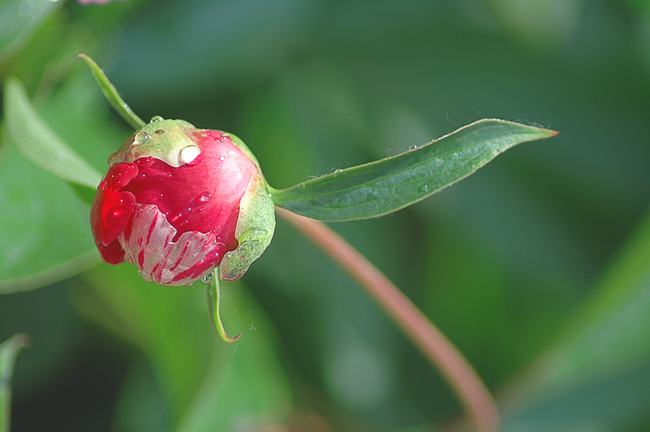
point(207, 278)
point(205, 197)
point(140, 138)
point(155, 119)
point(145, 162)
point(140, 273)
point(424, 188)
point(189, 153)
point(413, 147)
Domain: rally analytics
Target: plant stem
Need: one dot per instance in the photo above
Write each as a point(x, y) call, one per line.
point(478, 403)
point(213, 296)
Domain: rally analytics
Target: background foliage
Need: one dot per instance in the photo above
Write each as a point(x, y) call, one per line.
point(537, 267)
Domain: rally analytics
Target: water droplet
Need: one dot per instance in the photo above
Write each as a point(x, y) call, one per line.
point(338, 170)
point(424, 188)
point(413, 147)
point(155, 119)
point(205, 197)
point(222, 158)
point(26, 8)
point(145, 162)
point(141, 137)
point(207, 278)
point(140, 273)
point(222, 138)
point(189, 153)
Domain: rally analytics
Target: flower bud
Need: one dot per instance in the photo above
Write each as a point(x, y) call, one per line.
point(178, 201)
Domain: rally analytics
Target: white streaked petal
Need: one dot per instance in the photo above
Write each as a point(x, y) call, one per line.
point(159, 259)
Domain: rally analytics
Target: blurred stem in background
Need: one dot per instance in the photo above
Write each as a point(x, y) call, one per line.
point(461, 376)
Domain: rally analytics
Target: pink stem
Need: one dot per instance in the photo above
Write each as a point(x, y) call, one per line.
point(462, 378)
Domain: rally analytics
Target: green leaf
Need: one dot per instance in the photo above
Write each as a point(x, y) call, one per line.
point(44, 228)
point(168, 324)
point(387, 185)
point(20, 19)
point(601, 361)
point(206, 385)
point(45, 236)
point(251, 389)
point(8, 352)
point(38, 143)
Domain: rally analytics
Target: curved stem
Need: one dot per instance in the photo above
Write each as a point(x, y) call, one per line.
point(462, 378)
point(214, 305)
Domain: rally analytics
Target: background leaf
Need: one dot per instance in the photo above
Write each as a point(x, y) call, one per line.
point(20, 20)
point(8, 351)
point(206, 384)
point(38, 143)
point(596, 374)
point(44, 229)
point(384, 186)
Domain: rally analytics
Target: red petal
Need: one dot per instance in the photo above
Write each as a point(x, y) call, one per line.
point(113, 253)
point(111, 208)
point(110, 213)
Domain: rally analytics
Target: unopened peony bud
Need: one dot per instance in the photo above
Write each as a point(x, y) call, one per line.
point(178, 201)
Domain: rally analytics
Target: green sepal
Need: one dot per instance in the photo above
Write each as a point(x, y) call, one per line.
point(168, 140)
point(254, 231)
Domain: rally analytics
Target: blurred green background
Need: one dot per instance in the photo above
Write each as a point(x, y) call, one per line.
point(537, 267)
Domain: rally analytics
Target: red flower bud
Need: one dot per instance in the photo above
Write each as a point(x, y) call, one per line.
point(178, 201)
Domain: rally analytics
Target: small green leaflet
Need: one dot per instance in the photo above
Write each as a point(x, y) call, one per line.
point(8, 351)
point(387, 185)
point(111, 94)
